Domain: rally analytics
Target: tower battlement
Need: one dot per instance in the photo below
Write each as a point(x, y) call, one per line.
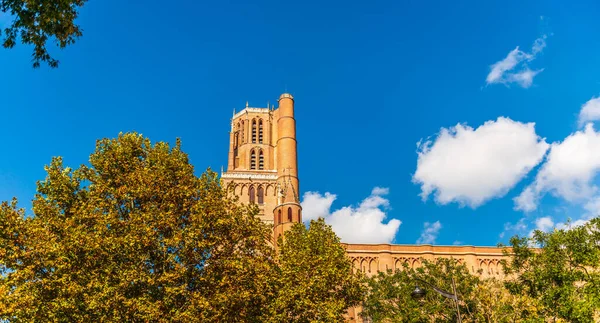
point(247, 110)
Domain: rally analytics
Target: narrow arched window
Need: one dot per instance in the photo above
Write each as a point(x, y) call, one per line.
point(252, 159)
point(236, 136)
point(279, 216)
point(260, 131)
point(251, 192)
point(261, 195)
point(242, 132)
point(289, 214)
point(254, 131)
point(261, 160)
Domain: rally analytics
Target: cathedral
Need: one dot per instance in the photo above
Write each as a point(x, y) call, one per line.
point(262, 168)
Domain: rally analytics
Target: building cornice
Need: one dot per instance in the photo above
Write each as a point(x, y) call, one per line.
point(251, 110)
point(435, 253)
point(267, 176)
point(424, 249)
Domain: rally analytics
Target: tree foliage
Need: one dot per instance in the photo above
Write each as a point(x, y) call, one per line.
point(134, 237)
point(389, 296)
point(315, 282)
point(35, 22)
point(389, 293)
point(494, 303)
point(561, 269)
point(550, 277)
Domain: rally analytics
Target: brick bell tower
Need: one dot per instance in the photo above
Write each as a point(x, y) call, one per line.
point(262, 166)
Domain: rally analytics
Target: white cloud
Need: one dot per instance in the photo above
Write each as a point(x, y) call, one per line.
point(527, 200)
point(544, 223)
point(315, 205)
point(430, 232)
point(511, 60)
point(590, 111)
point(592, 207)
point(538, 45)
point(513, 68)
point(568, 172)
point(470, 166)
point(380, 191)
point(524, 78)
point(518, 227)
point(572, 224)
point(362, 224)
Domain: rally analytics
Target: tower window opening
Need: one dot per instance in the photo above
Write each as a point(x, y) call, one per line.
point(253, 159)
point(242, 130)
point(253, 131)
point(261, 160)
point(289, 214)
point(251, 192)
point(261, 195)
point(279, 216)
point(236, 136)
point(260, 131)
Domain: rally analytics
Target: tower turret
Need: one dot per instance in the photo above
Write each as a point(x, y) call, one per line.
point(288, 209)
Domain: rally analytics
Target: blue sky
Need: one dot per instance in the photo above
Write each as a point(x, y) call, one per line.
point(371, 81)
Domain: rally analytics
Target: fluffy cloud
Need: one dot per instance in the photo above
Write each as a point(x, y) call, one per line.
point(590, 111)
point(524, 78)
point(547, 223)
point(568, 172)
point(592, 207)
point(430, 232)
point(527, 200)
point(500, 68)
point(527, 226)
point(572, 224)
point(315, 205)
point(361, 224)
point(513, 68)
point(538, 45)
point(544, 223)
point(380, 191)
point(470, 166)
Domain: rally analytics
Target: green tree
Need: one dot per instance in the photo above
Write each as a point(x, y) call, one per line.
point(481, 300)
point(561, 269)
point(134, 237)
point(35, 22)
point(389, 293)
point(315, 282)
point(389, 298)
point(495, 304)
